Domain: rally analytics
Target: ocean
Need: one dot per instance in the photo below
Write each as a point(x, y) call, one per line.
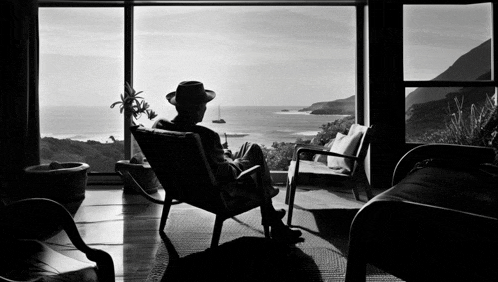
point(263, 125)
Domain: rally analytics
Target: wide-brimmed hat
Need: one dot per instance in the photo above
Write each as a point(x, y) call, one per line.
point(190, 93)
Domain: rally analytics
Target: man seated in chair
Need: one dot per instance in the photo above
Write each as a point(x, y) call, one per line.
point(190, 100)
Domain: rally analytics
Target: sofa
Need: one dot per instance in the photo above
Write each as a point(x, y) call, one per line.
point(438, 221)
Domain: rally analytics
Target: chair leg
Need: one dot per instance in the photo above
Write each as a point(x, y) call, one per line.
point(357, 180)
point(218, 224)
point(368, 190)
point(355, 192)
point(165, 213)
point(266, 229)
point(287, 191)
point(360, 179)
point(265, 221)
point(292, 194)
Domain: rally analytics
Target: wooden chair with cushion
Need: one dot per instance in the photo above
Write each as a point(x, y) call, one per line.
point(180, 164)
point(25, 256)
point(344, 159)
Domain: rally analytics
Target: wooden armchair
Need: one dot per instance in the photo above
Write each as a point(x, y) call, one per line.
point(24, 225)
point(180, 164)
point(347, 155)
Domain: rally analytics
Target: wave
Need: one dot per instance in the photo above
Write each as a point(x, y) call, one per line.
point(307, 133)
point(288, 130)
point(293, 113)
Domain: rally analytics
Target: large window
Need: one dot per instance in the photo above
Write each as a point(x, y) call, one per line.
point(271, 67)
point(447, 68)
point(81, 74)
point(264, 63)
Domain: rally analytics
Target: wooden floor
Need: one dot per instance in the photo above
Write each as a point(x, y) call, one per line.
point(126, 226)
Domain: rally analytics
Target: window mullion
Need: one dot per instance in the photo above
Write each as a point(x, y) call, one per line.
point(451, 83)
point(128, 74)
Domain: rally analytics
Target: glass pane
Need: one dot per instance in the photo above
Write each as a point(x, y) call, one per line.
point(455, 119)
point(264, 63)
point(446, 42)
point(81, 74)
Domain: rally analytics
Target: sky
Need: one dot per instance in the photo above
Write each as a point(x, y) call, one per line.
point(256, 56)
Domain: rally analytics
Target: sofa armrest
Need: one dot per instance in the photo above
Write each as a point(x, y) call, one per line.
point(457, 154)
point(28, 219)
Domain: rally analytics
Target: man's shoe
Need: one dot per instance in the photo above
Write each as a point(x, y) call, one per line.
point(286, 235)
point(280, 213)
point(273, 191)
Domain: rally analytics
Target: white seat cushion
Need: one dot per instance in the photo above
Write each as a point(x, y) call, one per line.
point(311, 167)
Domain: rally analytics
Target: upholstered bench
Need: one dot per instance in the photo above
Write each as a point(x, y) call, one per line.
point(439, 221)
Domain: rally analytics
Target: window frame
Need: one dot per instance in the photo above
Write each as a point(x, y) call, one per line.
point(456, 83)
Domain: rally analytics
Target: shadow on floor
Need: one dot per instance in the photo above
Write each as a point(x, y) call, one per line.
point(333, 226)
point(243, 259)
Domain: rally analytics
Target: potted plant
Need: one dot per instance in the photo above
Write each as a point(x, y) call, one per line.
point(63, 182)
point(133, 107)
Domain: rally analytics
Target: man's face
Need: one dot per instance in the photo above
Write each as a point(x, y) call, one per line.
point(202, 111)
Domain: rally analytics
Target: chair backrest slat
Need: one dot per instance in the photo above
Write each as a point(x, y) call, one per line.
point(179, 162)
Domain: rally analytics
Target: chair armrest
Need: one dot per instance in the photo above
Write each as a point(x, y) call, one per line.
point(26, 219)
point(249, 172)
point(308, 146)
point(255, 170)
point(321, 152)
point(137, 187)
point(294, 174)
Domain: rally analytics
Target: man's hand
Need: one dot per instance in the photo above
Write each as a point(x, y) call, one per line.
point(224, 145)
point(227, 153)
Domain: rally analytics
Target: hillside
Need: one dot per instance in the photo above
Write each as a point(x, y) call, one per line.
point(433, 115)
point(470, 66)
point(100, 156)
point(337, 107)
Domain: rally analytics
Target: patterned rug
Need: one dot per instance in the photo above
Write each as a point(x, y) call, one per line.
point(244, 254)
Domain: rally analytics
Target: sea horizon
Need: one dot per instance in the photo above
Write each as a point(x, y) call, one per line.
point(259, 124)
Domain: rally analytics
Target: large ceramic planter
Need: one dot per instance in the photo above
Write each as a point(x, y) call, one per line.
point(64, 183)
point(142, 173)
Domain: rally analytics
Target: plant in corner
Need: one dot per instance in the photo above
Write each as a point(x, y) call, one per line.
point(133, 107)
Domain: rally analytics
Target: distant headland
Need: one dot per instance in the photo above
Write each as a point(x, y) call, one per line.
point(337, 107)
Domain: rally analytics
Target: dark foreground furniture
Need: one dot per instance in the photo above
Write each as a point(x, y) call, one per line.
point(24, 225)
point(439, 222)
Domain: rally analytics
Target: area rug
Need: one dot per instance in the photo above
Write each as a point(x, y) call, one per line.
point(244, 254)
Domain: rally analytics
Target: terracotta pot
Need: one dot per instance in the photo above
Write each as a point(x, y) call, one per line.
point(142, 173)
point(65, 184)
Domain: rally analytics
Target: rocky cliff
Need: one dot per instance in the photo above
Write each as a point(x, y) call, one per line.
point(337, 107)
